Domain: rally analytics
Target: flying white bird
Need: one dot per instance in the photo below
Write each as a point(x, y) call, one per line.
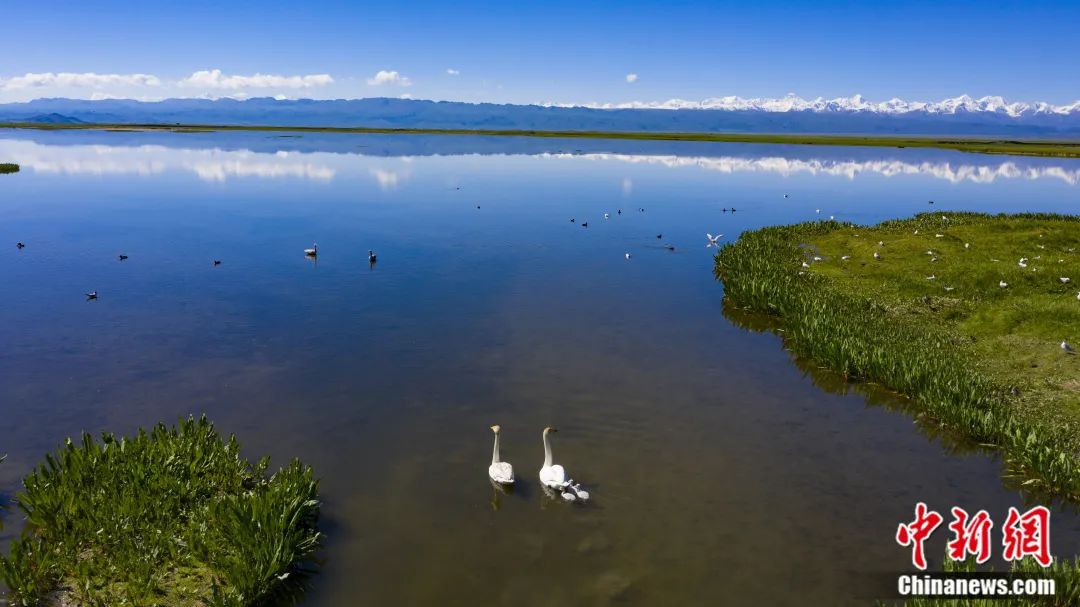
point(501, 472)
point(713, 240)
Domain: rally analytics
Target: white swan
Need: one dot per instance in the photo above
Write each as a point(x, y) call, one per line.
point(499, 471)
point(313, 251)
point(553, 476)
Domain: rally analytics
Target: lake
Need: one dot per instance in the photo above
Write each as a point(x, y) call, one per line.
point(722, 471)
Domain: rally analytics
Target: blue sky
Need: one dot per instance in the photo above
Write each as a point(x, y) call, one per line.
point(542, 51)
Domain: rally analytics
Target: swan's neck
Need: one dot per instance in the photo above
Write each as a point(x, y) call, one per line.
point(495, 452)
point(547, 450)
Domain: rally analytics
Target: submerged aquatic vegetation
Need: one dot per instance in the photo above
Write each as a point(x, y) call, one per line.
point(174, 516)
point(8, 167)
point(979, 359)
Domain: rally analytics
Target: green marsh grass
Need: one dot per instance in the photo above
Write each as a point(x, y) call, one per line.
point(174, 516)
point(981, 360)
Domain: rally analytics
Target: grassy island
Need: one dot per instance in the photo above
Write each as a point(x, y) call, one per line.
point(8, 167)
point(964, 313)
point(171, 517)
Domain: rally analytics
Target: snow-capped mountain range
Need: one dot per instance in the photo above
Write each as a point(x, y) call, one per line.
point(961, 116)
point(855, 103)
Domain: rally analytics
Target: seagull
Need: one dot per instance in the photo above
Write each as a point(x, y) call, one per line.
point(818, 258)
point(805, 265)
point(1064, 280)
point(881, 243)
point(949, 288)
point(845, 257)
point(91, 295)
point(627, 256)
point(939, 236)
point(606, 216)
point(669, 247)
point(217, 262)
point(1078, 297)
point(371, 256)
point(817, 210)
point(876, 256)
point(1065, 346)
point(121, 257)
point(785, 195)
point(313, 251)
point(1002, 284)
point(931, 277)
point(1023, 262)
point(713, 240)
point(916, 232)
point(19, 245)
point(571, 220)
point(967, 245)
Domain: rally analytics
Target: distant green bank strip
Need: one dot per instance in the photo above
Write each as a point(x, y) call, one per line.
point(1060, 149)
point(8, 167)
point(929, 318)
point(170, 517)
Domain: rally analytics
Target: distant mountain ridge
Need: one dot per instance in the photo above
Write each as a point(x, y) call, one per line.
point(855, 103)
point(988, 116)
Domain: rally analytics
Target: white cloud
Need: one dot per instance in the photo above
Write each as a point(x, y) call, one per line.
point(452, 71)
point(215, 79)
point(78, 80)
point(631, 78)
point(389, 77)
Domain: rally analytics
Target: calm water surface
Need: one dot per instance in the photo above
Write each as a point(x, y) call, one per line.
point(722, 472)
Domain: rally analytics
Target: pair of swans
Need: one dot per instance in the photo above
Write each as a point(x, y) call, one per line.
point(552, 476)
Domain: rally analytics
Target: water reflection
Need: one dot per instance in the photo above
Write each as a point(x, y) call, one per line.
point(987, 171)
point(711, 458)
point(321, 159)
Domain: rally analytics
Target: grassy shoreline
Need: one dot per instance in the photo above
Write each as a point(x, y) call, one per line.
point(1030, 147)
point(170, 517)
point(8, 167)
point(981, 360)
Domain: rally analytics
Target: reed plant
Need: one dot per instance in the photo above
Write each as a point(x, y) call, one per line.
point(980, 359)
point(173, 516)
